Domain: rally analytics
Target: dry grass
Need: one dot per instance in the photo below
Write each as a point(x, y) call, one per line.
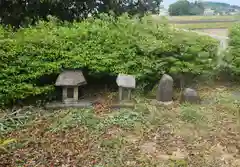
point(206, 135)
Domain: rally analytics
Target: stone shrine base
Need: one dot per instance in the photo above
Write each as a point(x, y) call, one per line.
point(79, 104)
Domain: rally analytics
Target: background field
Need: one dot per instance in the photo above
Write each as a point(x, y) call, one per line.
point(215, 31)
point(200, 18)
point(217, 25)
point(225, 25)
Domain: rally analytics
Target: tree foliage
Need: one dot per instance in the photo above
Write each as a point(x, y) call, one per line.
point(100, 46)
point(24, 12)
point(234, 57)
point(184, 7)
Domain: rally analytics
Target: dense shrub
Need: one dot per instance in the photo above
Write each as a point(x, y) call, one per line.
point(233, 58)
point(101, 46)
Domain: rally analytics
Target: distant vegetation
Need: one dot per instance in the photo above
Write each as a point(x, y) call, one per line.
point(220, 7)
point(185, 7)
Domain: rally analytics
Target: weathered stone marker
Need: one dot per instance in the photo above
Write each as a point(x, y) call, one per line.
point(191, 96)
point(125, 83)
point(165, 89)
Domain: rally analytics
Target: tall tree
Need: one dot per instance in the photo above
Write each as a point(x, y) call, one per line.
point(196, 8)
point(179, 8)
point(18, 12)
point(184, 7)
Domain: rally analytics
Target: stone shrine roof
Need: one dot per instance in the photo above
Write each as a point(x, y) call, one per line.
point(71, 78)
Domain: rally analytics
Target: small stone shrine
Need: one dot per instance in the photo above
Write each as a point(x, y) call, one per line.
point(70, 80)
point(165, 89)
point(125, 83)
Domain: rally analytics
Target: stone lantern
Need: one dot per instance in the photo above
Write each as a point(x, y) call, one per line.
point(125, 83)
point(70, 81)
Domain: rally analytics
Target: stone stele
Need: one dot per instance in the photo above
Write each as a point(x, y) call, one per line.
point(165, 89)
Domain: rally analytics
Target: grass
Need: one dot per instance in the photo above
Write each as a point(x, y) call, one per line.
point(182, 135)
point(191, 114)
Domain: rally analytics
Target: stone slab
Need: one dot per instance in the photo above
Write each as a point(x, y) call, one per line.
point(81, 104)
point(126, 81)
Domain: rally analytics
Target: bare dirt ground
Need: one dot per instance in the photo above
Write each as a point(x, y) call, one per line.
point(181, 135)
point(215, 31)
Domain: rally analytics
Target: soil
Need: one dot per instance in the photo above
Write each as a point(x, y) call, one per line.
point(215, 31)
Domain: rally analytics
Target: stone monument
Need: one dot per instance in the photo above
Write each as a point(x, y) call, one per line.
point(191, 96)
point(165, 90)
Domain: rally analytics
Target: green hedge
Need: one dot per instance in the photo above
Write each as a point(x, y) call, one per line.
point(234, 44)
point(102, 46)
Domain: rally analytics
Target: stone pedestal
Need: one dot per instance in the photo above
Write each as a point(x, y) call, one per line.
point(124, 93)
point(126, 83)
point(70, 97)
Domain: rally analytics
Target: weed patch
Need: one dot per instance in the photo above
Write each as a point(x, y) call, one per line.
point(11, 121)
point(126, 119)
point(191, 114)
point(149, 135)
point(75, 118)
